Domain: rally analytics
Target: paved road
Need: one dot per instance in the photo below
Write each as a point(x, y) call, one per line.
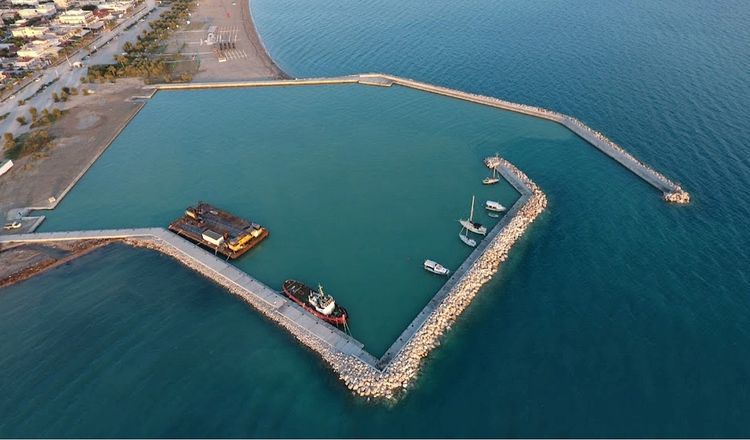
point(108, 44)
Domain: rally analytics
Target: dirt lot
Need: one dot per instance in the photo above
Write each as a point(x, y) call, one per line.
point(81, 135)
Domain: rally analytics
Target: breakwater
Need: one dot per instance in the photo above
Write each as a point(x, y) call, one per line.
point(361, 372)
point(671, 192)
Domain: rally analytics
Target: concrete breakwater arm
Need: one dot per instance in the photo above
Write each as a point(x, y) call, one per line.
point(304, 326)
point(400, 366)
point(363, 374)
point(671, 191)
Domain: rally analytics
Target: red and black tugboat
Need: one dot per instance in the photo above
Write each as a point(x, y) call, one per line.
point(316, 302)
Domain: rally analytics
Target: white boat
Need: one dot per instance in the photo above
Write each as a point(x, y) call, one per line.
point(470, 224)
point(435, 267)
point(493, 215)
point(465, 238)
point(493, 179)
point(489, 205)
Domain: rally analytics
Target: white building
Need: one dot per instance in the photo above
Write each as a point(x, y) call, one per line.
point(77, 17)
point(39, 49)
point(63, 4)
point(117, 7)
point(24, 2)
point(29, 31)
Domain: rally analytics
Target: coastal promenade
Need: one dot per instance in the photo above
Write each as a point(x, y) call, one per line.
point(671, 191)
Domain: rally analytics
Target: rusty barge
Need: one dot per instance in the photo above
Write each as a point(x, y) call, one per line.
point(218, 230)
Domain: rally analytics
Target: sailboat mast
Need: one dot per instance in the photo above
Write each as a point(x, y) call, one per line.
point(471, 215)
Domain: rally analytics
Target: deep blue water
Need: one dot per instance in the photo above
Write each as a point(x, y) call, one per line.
point(617, 315)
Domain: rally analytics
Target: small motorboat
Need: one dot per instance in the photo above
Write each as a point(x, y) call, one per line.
point(435, 267)
point(493, 215)
point(489, 205)
point(470, 224)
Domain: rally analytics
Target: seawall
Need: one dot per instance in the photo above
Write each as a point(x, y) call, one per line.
point(362, 373)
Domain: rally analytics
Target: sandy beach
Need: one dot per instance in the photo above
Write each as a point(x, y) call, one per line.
point(238, 53)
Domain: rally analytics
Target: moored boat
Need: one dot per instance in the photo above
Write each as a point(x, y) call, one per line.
point(470, 224)
point(489, 205)
point(491, 180)
point(317, 302)
point(435, 267)
point(466, 239)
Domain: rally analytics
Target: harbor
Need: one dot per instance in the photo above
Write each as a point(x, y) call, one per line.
point(210, 233)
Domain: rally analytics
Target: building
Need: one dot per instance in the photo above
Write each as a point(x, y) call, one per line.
point(24, 2)
point(77, 17)
point(116, 7)
point(28, 14)
point(63, 4)
point(39, 49)
point(27, 63)
point(43, 10)
point(29, 31)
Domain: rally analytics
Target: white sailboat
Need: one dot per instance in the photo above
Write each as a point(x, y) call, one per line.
point(493, 179)
point(470, 224)
point(465, 238)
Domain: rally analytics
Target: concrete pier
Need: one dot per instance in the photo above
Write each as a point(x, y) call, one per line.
point(237, 281)
point(362, 373)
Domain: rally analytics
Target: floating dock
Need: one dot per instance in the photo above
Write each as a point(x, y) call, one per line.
point(218, 230)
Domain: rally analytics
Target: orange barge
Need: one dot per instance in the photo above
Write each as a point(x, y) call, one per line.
point(218, 230)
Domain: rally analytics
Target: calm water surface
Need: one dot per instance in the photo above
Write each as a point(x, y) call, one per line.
point(617, 315)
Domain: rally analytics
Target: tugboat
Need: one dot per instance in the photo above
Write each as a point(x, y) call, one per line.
point(317, 302)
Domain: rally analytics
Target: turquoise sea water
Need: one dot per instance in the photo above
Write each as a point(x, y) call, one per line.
point(617, 315)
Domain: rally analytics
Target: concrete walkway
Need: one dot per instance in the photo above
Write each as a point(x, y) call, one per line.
point(220, 271)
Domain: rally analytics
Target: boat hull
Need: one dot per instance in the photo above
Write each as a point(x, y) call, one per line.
point(467, 241)
point(473, 227)
point(494, 207)
point(298, 293)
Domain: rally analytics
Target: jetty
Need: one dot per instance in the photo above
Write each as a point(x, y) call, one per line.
point(362, 372)
point(252, 291)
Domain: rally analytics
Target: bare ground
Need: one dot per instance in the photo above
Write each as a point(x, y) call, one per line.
point(21, 262)
point(89, 124)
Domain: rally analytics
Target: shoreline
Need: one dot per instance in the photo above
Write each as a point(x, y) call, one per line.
point(253, 34)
